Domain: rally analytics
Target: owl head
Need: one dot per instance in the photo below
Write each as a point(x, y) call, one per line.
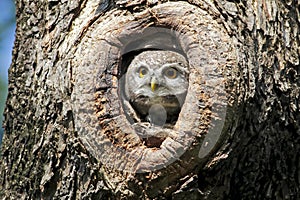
point(157, 77)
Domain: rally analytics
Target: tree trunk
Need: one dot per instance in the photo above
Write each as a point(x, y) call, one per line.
point(70, 133)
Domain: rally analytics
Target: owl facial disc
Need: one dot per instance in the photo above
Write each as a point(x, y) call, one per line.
point(156, 82)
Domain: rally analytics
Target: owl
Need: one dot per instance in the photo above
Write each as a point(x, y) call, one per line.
point(156, 83)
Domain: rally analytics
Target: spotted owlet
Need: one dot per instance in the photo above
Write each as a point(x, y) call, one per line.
point(156, 85)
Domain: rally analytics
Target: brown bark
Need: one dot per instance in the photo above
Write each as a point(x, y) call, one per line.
point(66, 131)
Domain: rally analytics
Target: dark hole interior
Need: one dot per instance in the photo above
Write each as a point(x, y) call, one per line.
point(152, 40)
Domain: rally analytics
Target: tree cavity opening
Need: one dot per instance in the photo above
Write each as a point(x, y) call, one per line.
point(99, 67)
point(153, 81)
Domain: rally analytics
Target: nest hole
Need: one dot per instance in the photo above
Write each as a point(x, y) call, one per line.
point(152, 39)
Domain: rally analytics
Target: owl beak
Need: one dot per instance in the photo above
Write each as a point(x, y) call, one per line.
point(153, 84)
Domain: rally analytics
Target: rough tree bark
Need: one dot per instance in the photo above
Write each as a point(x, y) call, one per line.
point(65, 123)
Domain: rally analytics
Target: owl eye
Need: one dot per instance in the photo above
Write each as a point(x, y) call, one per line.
point(171, 73)
point(142, 72)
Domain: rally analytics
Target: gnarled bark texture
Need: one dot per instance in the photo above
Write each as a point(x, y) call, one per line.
point(66, 134)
